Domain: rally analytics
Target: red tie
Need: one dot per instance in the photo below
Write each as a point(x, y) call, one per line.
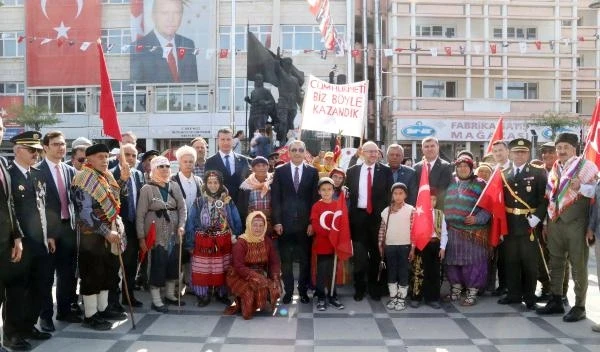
point(62, 194)
point(172, 63)
point(369, 191)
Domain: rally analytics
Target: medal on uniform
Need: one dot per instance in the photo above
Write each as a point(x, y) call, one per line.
point(528, 188)
point(219, 204)
point(531, 238)
point(21, 188)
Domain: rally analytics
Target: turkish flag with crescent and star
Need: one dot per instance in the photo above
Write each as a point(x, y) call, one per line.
point(340, 230)
point(592, 144)
point(422, 228)
point(497, 136)
point(492, 200)
point(59, 27)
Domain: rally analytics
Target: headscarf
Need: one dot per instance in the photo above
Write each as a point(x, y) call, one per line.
point(154, 164)
point(250, 237)
point(466, 160)
point(252, 183)
point(220, 191)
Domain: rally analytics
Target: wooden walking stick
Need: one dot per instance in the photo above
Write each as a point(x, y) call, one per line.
point(125, 286)
point(333, 275)
point(179, 274)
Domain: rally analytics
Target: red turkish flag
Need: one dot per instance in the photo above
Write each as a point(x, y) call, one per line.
point(181, 53)
point(592, 149)
point(150, 240)
point(497, 136)
point(355, 52)
point(448, 50)
point(492, 200)
point(223, 53)
point(108, 110)
point(422, 228)
point(538, 44)
point(63, 21)
point(340, 231)
point(493, 48)
point(315, 6)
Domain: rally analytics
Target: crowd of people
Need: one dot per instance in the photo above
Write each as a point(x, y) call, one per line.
point(229, 227)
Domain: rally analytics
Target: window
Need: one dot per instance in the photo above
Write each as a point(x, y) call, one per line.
point(118, 38)
point(181, 98)
point(10, 46)
point(436, 89)
point(12, 88)
point(262, 32)
point(240, 93)
point(62, 101)
point(128, 97)
point(435, 31)
point(518, 90)
point(517, 33)
point(13, 2)
point(301, 37)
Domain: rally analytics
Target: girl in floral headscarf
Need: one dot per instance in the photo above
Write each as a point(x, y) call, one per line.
point(214, 222)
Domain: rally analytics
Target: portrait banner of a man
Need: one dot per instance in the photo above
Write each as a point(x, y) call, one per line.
point(173, 30)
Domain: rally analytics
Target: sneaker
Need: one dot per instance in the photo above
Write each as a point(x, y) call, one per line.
point(321, 306)
point(400, 305)
point(392, 303)
point(336, 303)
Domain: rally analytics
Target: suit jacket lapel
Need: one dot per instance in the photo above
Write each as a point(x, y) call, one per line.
point(5, 187)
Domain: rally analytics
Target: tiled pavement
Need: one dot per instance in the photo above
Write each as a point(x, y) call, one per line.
point(362, 326)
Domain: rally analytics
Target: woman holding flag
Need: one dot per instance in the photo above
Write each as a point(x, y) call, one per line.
point(467, 250)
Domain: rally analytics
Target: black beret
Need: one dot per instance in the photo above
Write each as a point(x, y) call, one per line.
point(567, 137)
point(150, 153)
point(97, 148)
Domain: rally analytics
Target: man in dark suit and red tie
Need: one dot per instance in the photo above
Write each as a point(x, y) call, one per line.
point(162, 56)
point(293, 193)
point(369, 185)
point(62, 241)
point(234, 167)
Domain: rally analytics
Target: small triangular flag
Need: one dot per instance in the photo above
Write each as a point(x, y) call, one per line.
point(209, 54)
point(538, 44)
point(433, 51)
point(181, 53)
point(139, 48)
point(46, 41)
point(448, 50)
point(388, 52)
point(84, 46)
point(523, 47)
point(125, 48)
point(223, 53)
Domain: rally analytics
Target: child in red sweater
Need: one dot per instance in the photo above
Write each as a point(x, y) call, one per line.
point(321, 220)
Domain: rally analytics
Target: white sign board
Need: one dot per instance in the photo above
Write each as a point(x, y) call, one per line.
point(335, 107)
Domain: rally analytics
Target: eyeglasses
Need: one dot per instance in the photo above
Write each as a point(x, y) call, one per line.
point(81, 160)
point(58, 144)
point(297, 150)
point(30, 150)
point(163, 166)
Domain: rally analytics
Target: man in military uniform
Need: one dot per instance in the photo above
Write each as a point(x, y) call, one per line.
point(96, 194)
point(571, 184)
point(524, 188)
point(29, 192)
point(12, 283)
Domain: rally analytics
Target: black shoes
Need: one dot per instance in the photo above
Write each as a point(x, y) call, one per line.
point(359, 296)
point(17, 343)
point(108, 314)
point(69, 318)
point(499, 291)
point(134, 302)
point(96, 322)
point(575, 314)
point(304, 299)
point(434, 304)
point(508, 300)
point(554, 306)
point(35, 334)
point(544, 297)
point(334, 302)
point(161, 309)
point(287, 298)
point(223, 299)
point(47, 325)
point(172, 302)
point(203, 301)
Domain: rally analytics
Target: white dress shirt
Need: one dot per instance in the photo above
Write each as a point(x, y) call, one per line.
point(300, 168)
point(163, 43)
point(189, 188)
point(362, 185)
point(231, 161)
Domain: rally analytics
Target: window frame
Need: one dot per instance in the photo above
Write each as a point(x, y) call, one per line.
point(261, 31)
point(54, 96)
point(12, 38)
point(528, 88)
point(444, 86)
point(180, 92)
point(20, 88)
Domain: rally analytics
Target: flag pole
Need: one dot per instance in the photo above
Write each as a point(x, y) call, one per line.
point(335, 258)
point(484, 189)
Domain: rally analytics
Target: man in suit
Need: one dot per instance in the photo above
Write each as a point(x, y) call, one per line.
point(293, 193)
point(174, 60)
point(369, 185)
point(524, 195)
point(201, 147)
point(77, 154)
point(62, 240)
point(234, 167)
point(440, 171)
point(402, 173)
point(12, 283)
point(133, 180)
point(568, 218)
point(28, 188)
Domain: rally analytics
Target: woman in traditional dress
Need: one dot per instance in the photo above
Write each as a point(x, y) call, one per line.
point(467, 250)
point(213, 225)
point(161, 211)
point(255, 192)
point(254, 276)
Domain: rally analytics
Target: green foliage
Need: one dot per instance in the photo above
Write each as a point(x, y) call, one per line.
point(555, 121)
point(34, 117)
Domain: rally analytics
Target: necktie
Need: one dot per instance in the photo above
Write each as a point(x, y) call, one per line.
point(369, 191)
point(172, 64)
point(227, 164)
point(130, 201)
point(517, 172)
point(296, 179)
point(62, 194)
point(428, 168)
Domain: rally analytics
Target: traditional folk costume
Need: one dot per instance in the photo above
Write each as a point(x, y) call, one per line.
point(161, 210)
point(254, 276)
point(214, 220)
point(255, 195)
point(467, 250)
point(394, 246)
point(96, 197)
point(568, 213)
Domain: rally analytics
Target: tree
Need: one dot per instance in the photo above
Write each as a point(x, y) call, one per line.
point(34, 116)
point(556, 121)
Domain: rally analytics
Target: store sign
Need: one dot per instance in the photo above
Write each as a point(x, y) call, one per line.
point(461, 130)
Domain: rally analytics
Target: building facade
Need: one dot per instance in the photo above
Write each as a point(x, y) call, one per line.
point(162, 114)
point(459, 65)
